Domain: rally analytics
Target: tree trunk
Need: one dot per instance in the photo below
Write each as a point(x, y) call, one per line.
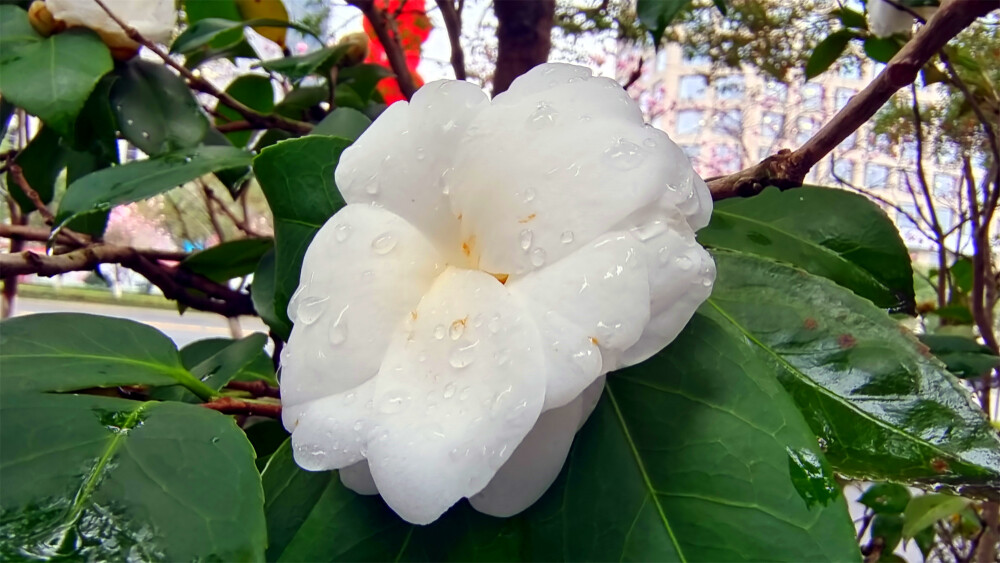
point(524, 35)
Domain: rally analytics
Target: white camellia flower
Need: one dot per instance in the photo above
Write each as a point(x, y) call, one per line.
point(453, 322)
point(154, 19)
point(884, 19)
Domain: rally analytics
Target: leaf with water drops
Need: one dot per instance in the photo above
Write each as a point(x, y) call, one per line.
point(96, 478)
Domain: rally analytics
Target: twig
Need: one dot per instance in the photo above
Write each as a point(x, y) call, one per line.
point(229, 405)
point(453, 23)
point(265, 121)
point(634, 77)
point(32, 195)
point(787, 169)
point(240, 224)
point(40, 234)
point(255, 388)
point(390, 42)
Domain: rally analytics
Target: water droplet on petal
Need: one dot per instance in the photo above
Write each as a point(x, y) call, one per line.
point(707, 282)
point(585, 118)
point(529, 195)
point(537, 257)
point(543, 116)
point(371, 185)
point(357, 425)
point(566, 237)
point(384, 243)
point(338, 328)
point(683, 262)
point(439, 332)
point(623, 155)
point(456, 330)
point(393, 402)
point(526, 236)
point(444, 182)
point(462, 356)
point(494, 324)
point(421, 153)
point(449, 390)
point(311, 309)
point(649, 229)
point(342, 232)
point(464, 393)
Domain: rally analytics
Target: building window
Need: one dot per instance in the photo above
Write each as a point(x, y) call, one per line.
point(876, 176)
point(726, 158)
point(843, 170)
point(692, 87)
point(775, 91)
point(729, 87)
point(850, 68)
point(771, 124)
point(944, 186)
point(805, 127)
point(842, 96)
point(729, 122)
point(689, 121)
point(812, 96)
point(946, 217)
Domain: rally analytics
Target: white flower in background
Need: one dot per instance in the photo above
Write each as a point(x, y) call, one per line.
point(154, 19)
point(884, 19)
point(454, 321)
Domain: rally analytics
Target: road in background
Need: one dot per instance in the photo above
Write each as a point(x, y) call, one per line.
point(183, 329)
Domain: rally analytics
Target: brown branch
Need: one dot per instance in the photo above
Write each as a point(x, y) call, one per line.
point(229, 405)
point(255, 388)
point(264, 121)
point(390, 42)
point(41, 234)
point(36, 200)
point(787, 169)
point(453, 23)
point(235, 126)
point(240, 224)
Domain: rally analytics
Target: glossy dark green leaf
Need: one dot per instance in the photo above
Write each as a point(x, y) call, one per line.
point(156, 111)
point(97, 127)
point(656, 15)
point(889, 529)
point(857, 246)
point(363, 78)
point(346, 123)
point(143, 179)
point(253, 91)
point(51, 78)
point(964, 356)
point(231, 361)
point(883, 408)
point(72, 351)
point(886, 498)
point(302, 102)
point(91, 478)
point(198, 10)
point(41, 162)
point(827, 52)
point(882, 49)
point(924, 510)
point(249, 359)
point(262, 292)
point(205, 31)
point(685, 458)
point(851, 18)
point(297, 179)
point(300, 66)
point(228, 260)
point(961, 273)
point(16, 31)
point(266, 436)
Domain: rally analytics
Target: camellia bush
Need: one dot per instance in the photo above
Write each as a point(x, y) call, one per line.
point(518, 328)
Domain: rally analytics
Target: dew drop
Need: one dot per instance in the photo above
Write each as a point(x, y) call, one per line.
point(664, 255)
point(543, 116)
point(342, 232)
point(494, 324)
point(444, 182)
point(529, 195)
point(526, 236)
point(357, 425)
point(651, 143)
point(145, 135)
point(683, 262)
point(650, 229)
point(623, 155)
point(707, 282)
point(338, 328)
point(462, 356)
point(456, 330)
point(439, 332)
point(371, 185)
point(311, 309)
point(129, 122)
point(477, 321)
point(384, 243)
point(464, 393)
point(449, 390)
point(585, 118)
point(421, 153)
point(448, 126)
point(566, 237)
point(392, 402)
point(215, 439)
point(537, 257)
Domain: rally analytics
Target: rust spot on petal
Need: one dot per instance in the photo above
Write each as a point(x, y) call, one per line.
point(468, 245)
point(526, 219)
point(459, 217)
point(810, 324)
point(593, 341)
point(846, 341)
point(413, 314)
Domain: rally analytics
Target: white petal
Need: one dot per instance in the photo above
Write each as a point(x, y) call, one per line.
point(885, 19)
point(551, 165)
point(363, 274)
point(331, 432)
point(153, 19)
point(534, 465)
point(404, 160)
point(602, 289)
point(589, 399)
point(358, 478)
point(460, 387)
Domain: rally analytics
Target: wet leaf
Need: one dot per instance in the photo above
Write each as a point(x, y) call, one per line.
point(228, 260)
point(924, 510)
point(886, 498)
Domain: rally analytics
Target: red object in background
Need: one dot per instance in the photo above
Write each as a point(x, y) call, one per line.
point(411, 21)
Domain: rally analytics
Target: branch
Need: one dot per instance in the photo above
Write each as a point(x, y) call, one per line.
point(390, 42)
point(453, 23)
point(787, 169)
point(264, 121)
point(255, 388)
point(229, 405)
point(41, 234)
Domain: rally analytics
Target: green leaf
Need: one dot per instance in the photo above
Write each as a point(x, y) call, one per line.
point(888, 527)
point(143, 179)
point(886, 498)
point(262, 292)
point(882, 49)
point(300, 66)
point(155, 109)
point(656, 15)
point(197, 10)
point(91, 478)
point(51, 78)
point(260, 368)
point(41, 161)
point(955, 314)
point(827, 52)
point(228, 260)
point(97, 128)
point(857, 247)
point(204, 31)
point(685, 458)
point(964, 356)
point(71, 351)
point(231, 361)
point(300, 102)
point(961, 272)
point(721, 6)
point(851, 18)
point(346, 123)
point(924, 510)
point(16, 31)
point(363, 79)
point(297, 179)
point(253, 91)
point(883, 408)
